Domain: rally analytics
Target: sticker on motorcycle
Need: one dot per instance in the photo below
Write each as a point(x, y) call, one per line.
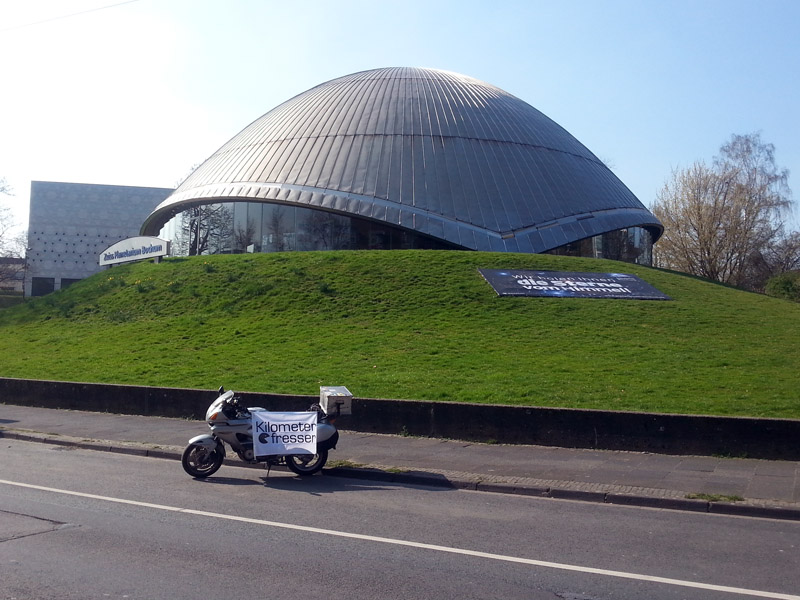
point(284, 432)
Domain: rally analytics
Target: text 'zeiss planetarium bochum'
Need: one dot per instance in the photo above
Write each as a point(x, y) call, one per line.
point(402, 158)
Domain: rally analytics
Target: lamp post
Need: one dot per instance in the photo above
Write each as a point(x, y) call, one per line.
point(25, 272)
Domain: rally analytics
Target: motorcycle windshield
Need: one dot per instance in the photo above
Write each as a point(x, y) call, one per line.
point(216, 406)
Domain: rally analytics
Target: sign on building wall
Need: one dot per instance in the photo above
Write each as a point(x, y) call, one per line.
point(134, 248)
point(559, 284)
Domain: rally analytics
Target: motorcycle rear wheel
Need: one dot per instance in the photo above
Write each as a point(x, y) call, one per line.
point(200, 462)
point(307, 464)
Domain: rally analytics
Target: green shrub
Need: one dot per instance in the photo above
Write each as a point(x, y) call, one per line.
point(7, 300)
point(786, 286)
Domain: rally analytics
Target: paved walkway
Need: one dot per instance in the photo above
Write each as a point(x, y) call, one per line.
point(747, 487)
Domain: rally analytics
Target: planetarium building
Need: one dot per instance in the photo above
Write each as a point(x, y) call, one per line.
point(405, 158)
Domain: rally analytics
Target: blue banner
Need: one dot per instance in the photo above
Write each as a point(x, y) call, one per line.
point(561, 284)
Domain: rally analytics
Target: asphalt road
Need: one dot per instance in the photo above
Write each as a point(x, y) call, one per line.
point(84, 524)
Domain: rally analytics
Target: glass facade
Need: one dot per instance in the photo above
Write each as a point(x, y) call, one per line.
point(632, 245)
point(239, 227)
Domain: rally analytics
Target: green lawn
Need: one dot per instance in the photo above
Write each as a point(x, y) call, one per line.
point(413, 324)
point(10, 299)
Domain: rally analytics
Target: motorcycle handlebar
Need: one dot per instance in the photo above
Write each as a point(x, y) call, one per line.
point(234, 402)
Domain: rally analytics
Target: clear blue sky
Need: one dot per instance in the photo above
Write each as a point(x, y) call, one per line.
point(138, 92)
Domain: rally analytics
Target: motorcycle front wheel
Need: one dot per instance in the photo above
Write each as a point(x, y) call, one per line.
point(200, 462)
point(307, 464)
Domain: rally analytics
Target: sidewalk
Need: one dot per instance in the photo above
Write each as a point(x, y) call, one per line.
point(747, 487)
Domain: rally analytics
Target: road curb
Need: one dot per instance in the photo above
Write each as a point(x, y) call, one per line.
point(578, 492)
point(747, 510)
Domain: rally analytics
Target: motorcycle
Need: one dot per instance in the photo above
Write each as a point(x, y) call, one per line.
point(231, 423)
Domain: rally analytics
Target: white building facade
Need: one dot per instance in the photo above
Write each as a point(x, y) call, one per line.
point(72, 223)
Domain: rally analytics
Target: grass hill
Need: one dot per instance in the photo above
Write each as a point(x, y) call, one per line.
point(412, 324)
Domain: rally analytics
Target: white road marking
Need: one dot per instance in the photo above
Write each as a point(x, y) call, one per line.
point(434, 547)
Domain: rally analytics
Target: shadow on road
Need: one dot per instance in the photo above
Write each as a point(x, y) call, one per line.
point(336, 480)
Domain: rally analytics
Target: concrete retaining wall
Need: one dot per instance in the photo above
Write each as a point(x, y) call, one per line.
point(570, 428)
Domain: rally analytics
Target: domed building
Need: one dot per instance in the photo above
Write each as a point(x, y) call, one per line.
point(405, 158)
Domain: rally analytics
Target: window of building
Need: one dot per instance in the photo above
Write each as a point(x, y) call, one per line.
point(41, 286)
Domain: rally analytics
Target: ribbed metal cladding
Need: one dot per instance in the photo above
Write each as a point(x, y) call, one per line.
point(431, 151)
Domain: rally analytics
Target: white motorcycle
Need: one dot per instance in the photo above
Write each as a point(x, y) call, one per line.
point(232, 423)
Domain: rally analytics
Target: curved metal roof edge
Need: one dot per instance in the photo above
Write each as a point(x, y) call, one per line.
point(422, 221)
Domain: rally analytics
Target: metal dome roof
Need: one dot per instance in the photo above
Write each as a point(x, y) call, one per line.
point(431, 151)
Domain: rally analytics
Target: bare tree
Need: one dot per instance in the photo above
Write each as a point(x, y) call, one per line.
point(243, 236)
point(779, 256)
point(327, 231)
point(277, 229)
point(7, 225)
point(719, 220)
point(12, 244)
point(206, 229)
